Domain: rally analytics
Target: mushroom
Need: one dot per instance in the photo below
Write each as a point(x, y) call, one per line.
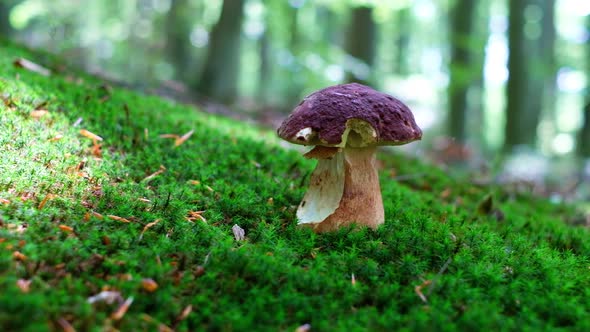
point(346, 123)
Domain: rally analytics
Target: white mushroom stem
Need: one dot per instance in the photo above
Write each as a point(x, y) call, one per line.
point(344, 189)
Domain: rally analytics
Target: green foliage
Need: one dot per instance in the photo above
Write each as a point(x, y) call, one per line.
point(510, 264)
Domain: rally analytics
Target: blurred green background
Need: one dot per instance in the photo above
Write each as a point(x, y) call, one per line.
point(483, 77)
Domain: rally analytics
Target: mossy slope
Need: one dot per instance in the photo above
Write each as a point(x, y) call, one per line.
point(523, 270)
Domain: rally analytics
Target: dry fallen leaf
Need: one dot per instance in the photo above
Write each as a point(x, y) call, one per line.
point(149, 285)
point(4, 201)
point(56, 138)
point(183, 138)
point(31, 66)
point(90, 135)
point(45, 200)
point(24, 285)
point(418, 290)
point(194, 215)
point(148, 226)
point(185, 312)
point(153, 175)
point(118, 218)
point(97, 215)
point(120, 312)
point(37, 114)
point(65, 325)
point(19, 256)
point(178, 140)
point(66, 228)
point(109, 297)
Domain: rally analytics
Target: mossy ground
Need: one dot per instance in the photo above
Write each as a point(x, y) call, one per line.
point(521, 269)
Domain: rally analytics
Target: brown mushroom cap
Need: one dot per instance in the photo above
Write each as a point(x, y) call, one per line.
point(323, 117)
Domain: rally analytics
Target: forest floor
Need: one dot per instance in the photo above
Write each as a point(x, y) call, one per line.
point(116, 213)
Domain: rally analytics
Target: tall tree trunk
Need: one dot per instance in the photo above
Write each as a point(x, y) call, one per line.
point(219, 79)
point(361, 43)
point(297, 80)
point(265, 70)
point(584, 135)
point(178, 46)
point(5, 27)
point(527, 63)
point(541, 66)
point(518, 79)
point(403, 20)
point(462, 66)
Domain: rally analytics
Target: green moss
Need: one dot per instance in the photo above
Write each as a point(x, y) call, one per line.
point(524, 269)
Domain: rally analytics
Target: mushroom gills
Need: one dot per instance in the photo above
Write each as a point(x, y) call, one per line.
point(325, 191)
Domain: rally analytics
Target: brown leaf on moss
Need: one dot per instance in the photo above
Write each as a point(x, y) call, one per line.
point(90, 135)
point(153, 175)
point(117, 218)
point(97, 215)
point(19, 256)
point(183, 138)
point(418, 289)
point(24, 285)
point(148, 226)
point(446, 193)
point(185, 312)
point(31, 66)
point(149, 285)
point(194, 215)
point(122, 309)
point(47, 198)
point(37, 114)
point(66, 228)
point(56, 138)
point(65, 325)
point(27, 195)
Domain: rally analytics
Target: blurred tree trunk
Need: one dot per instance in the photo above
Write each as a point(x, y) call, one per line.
point(402, 41)
point(462, 66)
point(361, 44)
point(516, 122)
point(5, 27)
point(542, 65)
point(178, 46)
point(219, 78)
point(530, 64)
point(265, 72)
point(297, 80)
point(584, 135)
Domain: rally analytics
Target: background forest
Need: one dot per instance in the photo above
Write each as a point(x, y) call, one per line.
point(482, 76)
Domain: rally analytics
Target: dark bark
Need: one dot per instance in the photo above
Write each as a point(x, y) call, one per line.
point(542, 67)
point(462, 66)
point(361, 42)
point(530, 64)
point(583, 145)
point(517, 81)
point(6, 29)
point(219, 79)
point(265, 71)
point(584, 136)
point(402, 41)
point(178, 46)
